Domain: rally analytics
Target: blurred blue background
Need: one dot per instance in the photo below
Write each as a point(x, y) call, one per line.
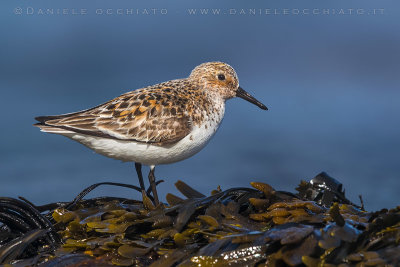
point(331, 82)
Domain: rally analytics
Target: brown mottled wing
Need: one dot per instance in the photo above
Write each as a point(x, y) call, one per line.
point(147, 115)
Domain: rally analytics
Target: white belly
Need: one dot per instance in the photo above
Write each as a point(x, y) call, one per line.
point(152, 154)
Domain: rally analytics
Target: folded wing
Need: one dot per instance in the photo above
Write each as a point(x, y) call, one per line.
point(148, 116)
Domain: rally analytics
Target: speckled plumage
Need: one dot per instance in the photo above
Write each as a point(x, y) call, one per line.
point(158, 114)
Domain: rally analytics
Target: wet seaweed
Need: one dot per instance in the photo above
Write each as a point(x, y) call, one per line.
point(258, 226)
point(24, 231)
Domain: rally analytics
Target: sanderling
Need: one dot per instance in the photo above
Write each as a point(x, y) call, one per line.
point(159, 124)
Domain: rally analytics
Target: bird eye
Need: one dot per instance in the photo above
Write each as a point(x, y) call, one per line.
point(221, 77)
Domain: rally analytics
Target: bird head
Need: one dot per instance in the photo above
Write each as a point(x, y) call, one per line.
point(221, 79)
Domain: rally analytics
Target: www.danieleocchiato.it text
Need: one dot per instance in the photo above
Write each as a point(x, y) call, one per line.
point(285, 11)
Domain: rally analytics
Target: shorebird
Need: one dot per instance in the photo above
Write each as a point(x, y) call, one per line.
point(158, 124)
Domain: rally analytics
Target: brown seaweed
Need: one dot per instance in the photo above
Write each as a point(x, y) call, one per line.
point(317, 226)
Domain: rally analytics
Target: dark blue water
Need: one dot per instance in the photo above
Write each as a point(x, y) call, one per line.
point(331, 83)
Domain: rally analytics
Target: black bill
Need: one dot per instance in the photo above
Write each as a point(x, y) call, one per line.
point(246, 96)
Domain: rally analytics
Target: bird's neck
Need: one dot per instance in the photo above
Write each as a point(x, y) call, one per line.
point(210, 107)
point(217, 105)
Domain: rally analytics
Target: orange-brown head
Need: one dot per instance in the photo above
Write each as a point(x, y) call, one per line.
point(220, 78)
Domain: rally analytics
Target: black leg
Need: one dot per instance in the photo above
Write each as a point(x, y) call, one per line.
point(152, 180)
point(138, 168)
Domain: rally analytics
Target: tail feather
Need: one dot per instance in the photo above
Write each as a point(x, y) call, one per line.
point(49, 128)
point(43, 119)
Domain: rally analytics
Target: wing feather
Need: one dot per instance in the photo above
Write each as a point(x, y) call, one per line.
point(150, 115)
